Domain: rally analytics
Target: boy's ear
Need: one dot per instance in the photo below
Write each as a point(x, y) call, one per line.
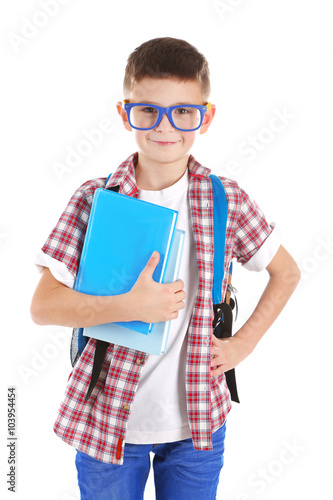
point(123, 115)
point(208, 118)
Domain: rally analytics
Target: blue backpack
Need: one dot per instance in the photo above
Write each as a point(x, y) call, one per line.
point(222, 323)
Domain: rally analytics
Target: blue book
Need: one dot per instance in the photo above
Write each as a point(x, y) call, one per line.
point(156, 341)
point(122, 234)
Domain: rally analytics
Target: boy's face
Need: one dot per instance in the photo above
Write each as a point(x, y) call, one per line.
point(164, 143)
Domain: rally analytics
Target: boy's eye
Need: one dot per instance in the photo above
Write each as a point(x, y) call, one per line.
point(183, 111)
point(149, 109)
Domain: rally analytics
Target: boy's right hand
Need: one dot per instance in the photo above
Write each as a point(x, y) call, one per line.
point(153, 302)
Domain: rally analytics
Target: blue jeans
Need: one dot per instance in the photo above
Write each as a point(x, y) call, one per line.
point(180, 472)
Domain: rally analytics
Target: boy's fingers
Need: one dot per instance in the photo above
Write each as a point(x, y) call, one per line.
point(155, 257)
point(181, 295)
point(152, 263)
point(179, 285)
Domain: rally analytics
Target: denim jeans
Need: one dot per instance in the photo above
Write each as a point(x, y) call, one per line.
point(180, 472)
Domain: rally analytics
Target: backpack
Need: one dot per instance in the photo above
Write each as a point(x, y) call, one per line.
point(222, 323)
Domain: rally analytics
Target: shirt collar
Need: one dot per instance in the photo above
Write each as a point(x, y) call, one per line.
point(125, 173)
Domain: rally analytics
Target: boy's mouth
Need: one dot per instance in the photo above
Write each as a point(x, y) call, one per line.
point(164, 143)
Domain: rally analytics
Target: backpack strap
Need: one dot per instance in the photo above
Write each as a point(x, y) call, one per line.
point(220, 225)
point(222, 323)
point(107, 180)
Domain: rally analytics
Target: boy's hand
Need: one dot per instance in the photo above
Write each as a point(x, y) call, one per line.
point(153, 302)
point(284, 276)
point(226, 354)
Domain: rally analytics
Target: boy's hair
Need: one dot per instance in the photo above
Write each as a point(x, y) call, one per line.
point(167, 58)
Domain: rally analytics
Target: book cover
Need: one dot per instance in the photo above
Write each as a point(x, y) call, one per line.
point(122, 234)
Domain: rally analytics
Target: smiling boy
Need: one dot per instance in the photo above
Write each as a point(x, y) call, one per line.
point(174, 405)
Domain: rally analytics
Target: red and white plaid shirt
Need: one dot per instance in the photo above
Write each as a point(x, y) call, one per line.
point(98, 426)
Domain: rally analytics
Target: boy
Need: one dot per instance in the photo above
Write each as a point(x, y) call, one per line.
point(176, 404)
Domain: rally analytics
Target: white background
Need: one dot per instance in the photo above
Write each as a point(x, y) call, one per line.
point(64, 77)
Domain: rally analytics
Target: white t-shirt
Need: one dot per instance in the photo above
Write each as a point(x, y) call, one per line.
point(158, 413)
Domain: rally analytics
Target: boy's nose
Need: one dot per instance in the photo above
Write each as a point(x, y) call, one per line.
point(164, 124)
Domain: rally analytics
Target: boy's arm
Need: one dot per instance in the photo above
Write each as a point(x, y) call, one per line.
point(284, 276)
point(54, 303)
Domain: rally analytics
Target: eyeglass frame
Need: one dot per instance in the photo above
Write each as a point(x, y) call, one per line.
point(203, 108)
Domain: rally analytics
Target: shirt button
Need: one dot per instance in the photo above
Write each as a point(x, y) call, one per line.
point(126, 407)
point(139, 361)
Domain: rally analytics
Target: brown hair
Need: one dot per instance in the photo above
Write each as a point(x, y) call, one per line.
point(167, 58)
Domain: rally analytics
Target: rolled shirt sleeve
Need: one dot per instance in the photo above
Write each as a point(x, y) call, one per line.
point(256, 241)
point(58, 269)
point(266, 252)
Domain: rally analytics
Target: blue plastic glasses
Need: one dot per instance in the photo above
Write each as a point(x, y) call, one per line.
point(184, 117)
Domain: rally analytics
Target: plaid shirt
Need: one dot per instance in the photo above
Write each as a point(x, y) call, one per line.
point(98, 427)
